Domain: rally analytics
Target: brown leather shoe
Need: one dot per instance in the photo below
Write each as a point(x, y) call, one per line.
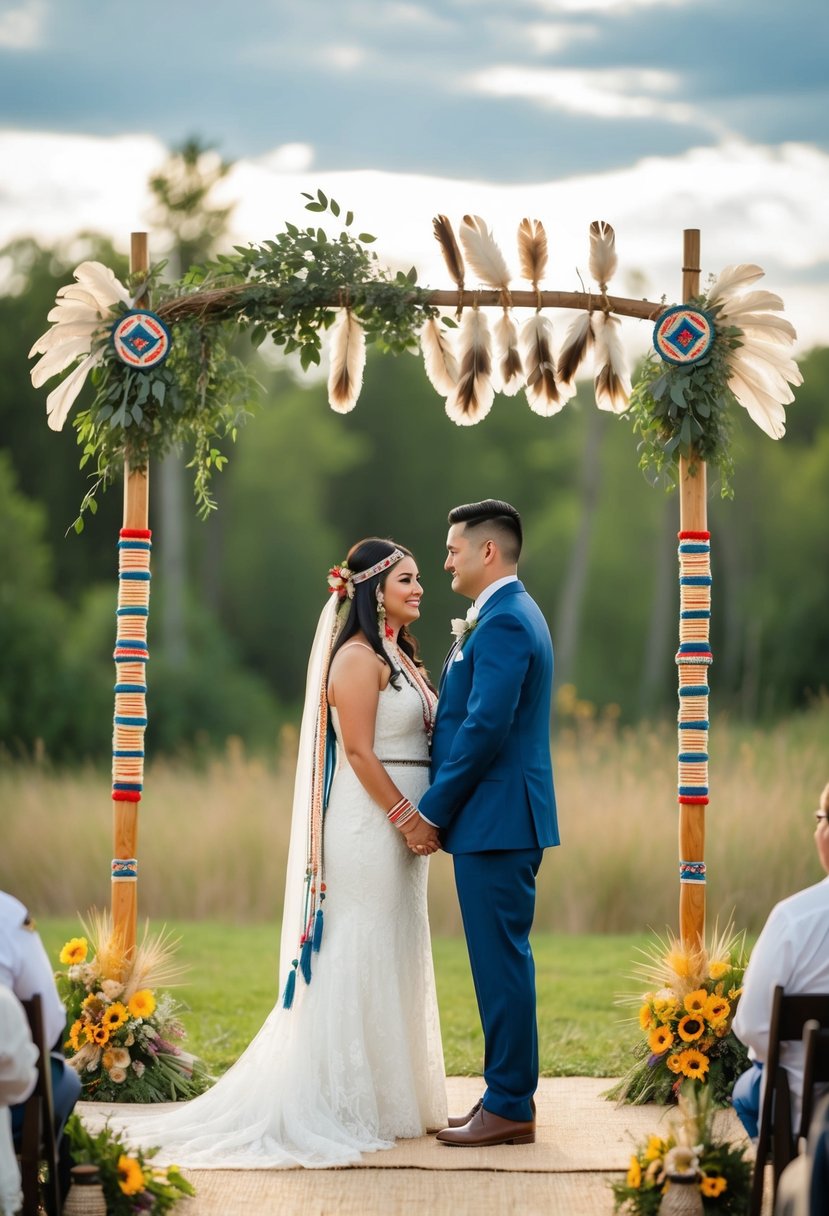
point(462, 1120)
point(485, 1129)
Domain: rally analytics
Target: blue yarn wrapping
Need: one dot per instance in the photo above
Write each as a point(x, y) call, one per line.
point(132, 611)
point(290, 989)
point(124, 720)
point(318, 926)
point(693, 757)
point(695, 580)
point(694, 690)
point(695, 614)
point(693, 791)
point(305, 959)
point(698, 546)
point(702, 724)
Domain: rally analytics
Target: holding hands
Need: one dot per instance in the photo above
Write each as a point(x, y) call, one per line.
point(420, 836)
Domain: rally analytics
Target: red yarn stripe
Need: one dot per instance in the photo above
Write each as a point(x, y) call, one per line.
point(126, 796)
point(694, 535)
point(135, 533)
point(693, 799)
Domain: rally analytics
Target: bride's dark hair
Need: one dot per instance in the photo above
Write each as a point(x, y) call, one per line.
point(362, 612)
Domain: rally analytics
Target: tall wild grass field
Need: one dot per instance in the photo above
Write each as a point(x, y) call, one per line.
point(213, 837)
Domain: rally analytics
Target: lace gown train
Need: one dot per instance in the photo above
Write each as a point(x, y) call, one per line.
point(357, 1062)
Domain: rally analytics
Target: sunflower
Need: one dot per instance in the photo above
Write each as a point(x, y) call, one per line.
point(75, 951)
point(98, 1035)
point(674, 1062)
point(656, 1148)
point(694, 1063)
point(716, 1009)
point(130, 1175)
point(690, 1028)
point(660, 1039)
point(718, 968)
point(142, 1004)
point(646, 1017)
point(75, 1032)
point(634, 1178)
point(115, 1016)
point(713, 1187)
point(695, 1001)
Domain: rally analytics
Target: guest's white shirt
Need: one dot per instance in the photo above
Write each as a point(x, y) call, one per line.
point(18, 1074)
point(25, 966)
point(792, 950)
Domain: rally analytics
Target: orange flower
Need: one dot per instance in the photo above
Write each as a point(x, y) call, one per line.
point(694, 1063)
point(660, 1039)
point(695, 1001)
point(98, 1034)
point(716, 1009)
point(712, 1187)
point(674, 1062)
point(646, 1017)
point(690, 1028)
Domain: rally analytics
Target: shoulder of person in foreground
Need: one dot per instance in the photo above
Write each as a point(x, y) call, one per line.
point(18, 1054)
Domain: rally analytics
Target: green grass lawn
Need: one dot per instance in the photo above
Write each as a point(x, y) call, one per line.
point(231, 987)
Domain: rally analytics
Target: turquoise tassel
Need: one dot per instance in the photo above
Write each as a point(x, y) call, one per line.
point(290, 988)
point(305, 959)
point(317, 930)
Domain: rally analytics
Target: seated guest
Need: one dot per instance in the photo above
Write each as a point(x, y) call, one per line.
point(792, 950)
point(26, 970)
point(18, 1075)
point(804, 1184)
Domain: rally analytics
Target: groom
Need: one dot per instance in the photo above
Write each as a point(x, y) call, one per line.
point(492, 800)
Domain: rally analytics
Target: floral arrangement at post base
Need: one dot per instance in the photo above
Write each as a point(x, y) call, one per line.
point(691, 1147)
point(129, 1183)
point(685, 1018)
point(124, 1039)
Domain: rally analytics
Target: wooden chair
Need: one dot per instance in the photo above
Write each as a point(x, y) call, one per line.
point(815, 1069)
point(789, 1015)
point(38, 1143)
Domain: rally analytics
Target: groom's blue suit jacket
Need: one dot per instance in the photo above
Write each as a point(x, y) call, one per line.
point(492, 778)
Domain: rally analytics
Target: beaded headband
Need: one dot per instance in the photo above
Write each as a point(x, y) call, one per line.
point(342, 580)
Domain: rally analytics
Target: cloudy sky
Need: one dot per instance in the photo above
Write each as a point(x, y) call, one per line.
point(653, 115)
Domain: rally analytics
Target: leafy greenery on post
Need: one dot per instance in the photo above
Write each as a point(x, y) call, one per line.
point(685, 410)
point(283, 290)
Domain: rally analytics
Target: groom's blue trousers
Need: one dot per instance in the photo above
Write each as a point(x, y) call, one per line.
point(496, 892)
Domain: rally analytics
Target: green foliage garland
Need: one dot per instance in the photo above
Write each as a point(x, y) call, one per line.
point(681, 410)
point(280, 290)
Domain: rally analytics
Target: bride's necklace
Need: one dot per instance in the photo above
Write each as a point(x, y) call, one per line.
point(414, 677)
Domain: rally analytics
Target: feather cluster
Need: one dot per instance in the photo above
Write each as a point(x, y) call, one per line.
point(471, 398)
point(348, 361)
point(484, 255)
point(762, 369)
point(452, 256)
point(80, 318)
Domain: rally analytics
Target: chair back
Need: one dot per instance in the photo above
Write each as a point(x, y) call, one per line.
point(38, 1141)
point(789, 1015)
point(815, 1069)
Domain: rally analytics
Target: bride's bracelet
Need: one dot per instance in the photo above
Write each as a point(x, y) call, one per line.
point(401, 812)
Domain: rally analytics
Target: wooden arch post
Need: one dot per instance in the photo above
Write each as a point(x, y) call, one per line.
point(125, 811)
point(693, 517)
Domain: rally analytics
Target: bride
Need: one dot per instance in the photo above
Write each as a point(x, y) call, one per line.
point(350, 1058)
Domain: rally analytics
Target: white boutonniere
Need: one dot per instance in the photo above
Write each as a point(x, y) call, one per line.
point(463, 626)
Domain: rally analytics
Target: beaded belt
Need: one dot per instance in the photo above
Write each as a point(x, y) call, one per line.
point(412, 763)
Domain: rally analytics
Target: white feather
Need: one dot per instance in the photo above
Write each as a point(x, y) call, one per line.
point(753, 301)
point(543, 392)
point(439, 357)
point(761, 406)
point(770, 328)
point(101, 281)
point(577, 342)
point(483, 254)
point(733, 278)
point(611, 376)
point(61, 333)
point(348, 361)
point(58, 359)
point(471, 398)
point(510, 377)
point(772, 360)
point(61, 399)
point(603, 259)
point(74, 291)
point(71, 310)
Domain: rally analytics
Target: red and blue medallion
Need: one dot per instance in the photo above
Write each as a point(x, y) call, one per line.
point(683, 335)
point(141, 339)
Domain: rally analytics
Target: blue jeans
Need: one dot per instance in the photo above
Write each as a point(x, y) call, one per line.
point(745, 1098)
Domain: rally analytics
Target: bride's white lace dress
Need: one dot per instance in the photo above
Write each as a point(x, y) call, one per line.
point(357, 1061)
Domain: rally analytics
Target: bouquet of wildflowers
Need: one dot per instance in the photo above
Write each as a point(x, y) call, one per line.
point(691, 1148)
point(129, 1182)
point(685, 1019)
point(124, 1038)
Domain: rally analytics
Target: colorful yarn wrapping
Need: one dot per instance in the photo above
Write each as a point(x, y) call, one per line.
point(131, 655)
point(125, 869)
point(694, 653)
point(692, 871)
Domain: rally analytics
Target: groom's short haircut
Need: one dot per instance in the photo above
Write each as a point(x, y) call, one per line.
point(499, 519)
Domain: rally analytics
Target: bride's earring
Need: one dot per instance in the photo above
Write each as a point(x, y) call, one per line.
point(381, 614)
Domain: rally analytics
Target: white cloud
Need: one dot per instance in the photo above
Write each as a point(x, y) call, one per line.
point(289, 158)
point(344, 58)
point(613, 93)
point(21, 27)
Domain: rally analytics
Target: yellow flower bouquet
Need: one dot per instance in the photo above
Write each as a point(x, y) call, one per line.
point(123, 1039)
point(685, 1020)
point(692, 1151)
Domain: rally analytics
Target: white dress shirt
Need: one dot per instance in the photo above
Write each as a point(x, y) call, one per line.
point(18, 1074)
point(25, 966)
point(492, 588)
point(792, 950)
